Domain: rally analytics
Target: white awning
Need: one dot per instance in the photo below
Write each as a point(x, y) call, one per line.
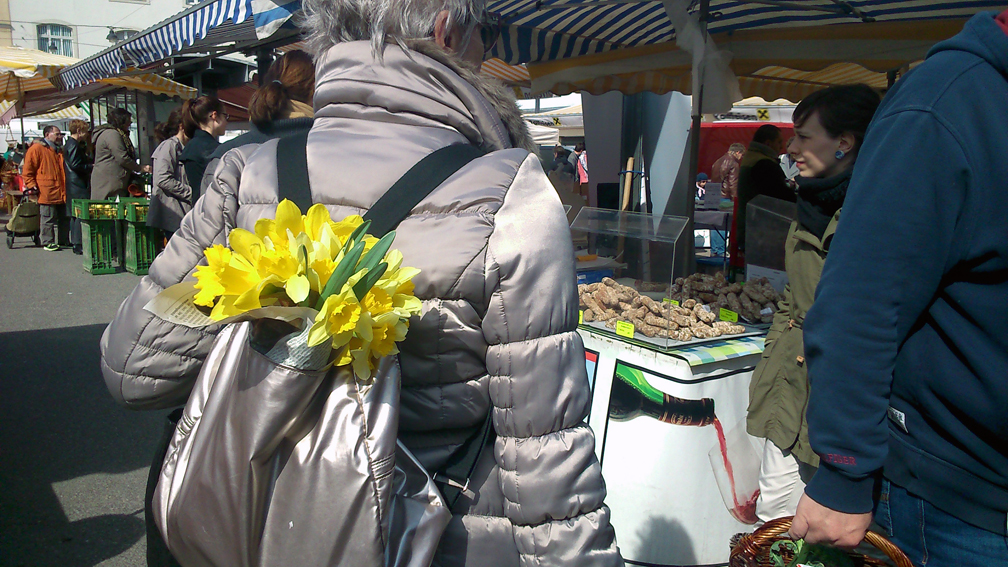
point(543, 135)
point(210, 26)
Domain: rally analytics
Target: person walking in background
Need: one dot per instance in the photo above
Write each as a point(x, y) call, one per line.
point(78, 162)
point(203, 122)
point(726, 170)
point(582, 168)
point(282, 106)
point(171, 197)
point(386, 100)
point(43, 171)
point(830, 126)
point(115, 157)
point(561, 163)
point(906, 344)
point(759, 174)
point(788, 162)
point(701, 186)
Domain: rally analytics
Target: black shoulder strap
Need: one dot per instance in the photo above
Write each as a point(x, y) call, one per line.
point(416, 184)
point(292, 156)
point(396, 204)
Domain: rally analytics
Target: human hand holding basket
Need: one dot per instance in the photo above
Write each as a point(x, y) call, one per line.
point(754, 550)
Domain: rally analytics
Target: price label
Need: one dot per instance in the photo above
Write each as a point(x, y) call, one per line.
point(728, 315)
point(672, 301)
point(624, 329)
point(580, 317)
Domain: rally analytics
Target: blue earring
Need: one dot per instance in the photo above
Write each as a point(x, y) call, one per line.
point(839, 154)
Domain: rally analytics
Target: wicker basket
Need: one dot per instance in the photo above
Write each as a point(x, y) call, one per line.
point(753, 550)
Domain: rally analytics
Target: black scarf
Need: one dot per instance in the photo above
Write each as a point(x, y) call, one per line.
point(819, 199)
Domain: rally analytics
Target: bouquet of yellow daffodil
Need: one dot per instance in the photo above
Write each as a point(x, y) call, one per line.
point(361, 292)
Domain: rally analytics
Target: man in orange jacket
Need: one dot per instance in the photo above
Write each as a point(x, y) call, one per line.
point(43, 170)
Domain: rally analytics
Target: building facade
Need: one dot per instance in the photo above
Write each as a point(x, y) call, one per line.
point(79, 28)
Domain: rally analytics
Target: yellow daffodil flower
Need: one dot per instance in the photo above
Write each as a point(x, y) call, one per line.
point(289, 260)
point(337, 320)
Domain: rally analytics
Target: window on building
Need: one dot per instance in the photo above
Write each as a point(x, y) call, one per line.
point(57, 39)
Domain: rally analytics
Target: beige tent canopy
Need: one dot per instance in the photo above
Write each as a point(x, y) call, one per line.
point(25, 81)
point(770, 63)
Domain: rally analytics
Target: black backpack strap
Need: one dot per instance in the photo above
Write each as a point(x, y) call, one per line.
point(293, 183)
point(416, 184)
point(394, 206)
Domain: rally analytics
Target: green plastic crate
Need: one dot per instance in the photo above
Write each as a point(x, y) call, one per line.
point(140, 247)
point(128, 208)
point(97, 237)
point(95, 210)
point(136, 212)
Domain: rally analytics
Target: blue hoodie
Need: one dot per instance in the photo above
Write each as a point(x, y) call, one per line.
point(907, 342)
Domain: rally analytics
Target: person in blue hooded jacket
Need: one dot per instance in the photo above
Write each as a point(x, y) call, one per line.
point(907, 342)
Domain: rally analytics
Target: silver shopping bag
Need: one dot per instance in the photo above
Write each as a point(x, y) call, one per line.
point(276, 464)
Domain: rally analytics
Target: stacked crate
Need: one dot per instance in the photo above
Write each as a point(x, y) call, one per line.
point(98, 220)
point(140, 239)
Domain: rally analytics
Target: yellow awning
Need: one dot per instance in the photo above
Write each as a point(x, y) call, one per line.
point(772, 63)
point(23, 70)
point(511, 75)
point(152, 83)
point(29, 70)
point(69, 113)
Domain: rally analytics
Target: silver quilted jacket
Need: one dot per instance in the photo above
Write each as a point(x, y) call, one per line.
point(497, 331)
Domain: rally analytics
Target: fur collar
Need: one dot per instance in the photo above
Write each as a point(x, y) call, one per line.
point(499, 97)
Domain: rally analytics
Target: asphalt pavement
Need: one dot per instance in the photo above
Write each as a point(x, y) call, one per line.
point(73, 464)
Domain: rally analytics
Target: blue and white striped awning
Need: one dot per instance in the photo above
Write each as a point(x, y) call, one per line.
point(222, 21)
point(547, 30)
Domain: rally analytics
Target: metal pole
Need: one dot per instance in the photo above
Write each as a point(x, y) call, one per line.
point(698, 92)
point(264, 59)
point(21, 99)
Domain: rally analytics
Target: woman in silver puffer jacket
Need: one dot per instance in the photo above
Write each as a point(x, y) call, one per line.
point(497, 331)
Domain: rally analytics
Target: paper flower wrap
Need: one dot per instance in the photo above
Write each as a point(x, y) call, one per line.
point(357, 284)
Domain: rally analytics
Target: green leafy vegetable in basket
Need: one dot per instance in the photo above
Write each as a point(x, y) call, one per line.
point(808, 554)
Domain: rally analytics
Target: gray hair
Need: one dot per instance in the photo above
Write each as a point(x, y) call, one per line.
point(328, 22)
point(737, 148)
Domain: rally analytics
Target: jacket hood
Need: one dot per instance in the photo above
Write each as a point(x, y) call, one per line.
point(422, 80)
point(758, 151)
point(983, 37)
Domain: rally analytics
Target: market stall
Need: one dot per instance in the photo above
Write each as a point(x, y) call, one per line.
point(669, 362)
point(666, 451)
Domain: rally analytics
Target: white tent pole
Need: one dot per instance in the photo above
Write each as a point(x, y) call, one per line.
point(20, 99)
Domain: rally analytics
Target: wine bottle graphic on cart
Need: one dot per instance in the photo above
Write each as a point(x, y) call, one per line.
point(632, 396)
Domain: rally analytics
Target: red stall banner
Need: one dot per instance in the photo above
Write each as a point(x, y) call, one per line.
point(716, 137)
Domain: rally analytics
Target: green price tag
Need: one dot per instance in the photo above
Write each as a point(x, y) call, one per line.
point(624, 329)
point(580, 317)
point(728, 315)
point(672, 301)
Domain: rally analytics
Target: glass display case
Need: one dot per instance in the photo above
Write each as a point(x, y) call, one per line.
point(626, 285)
point(768, 221)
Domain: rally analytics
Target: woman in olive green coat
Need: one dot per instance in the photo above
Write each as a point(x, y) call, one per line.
point(115, 157)
point(829, 127)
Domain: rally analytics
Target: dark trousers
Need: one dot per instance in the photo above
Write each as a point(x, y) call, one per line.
point(50, 217)
point(75, 233)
